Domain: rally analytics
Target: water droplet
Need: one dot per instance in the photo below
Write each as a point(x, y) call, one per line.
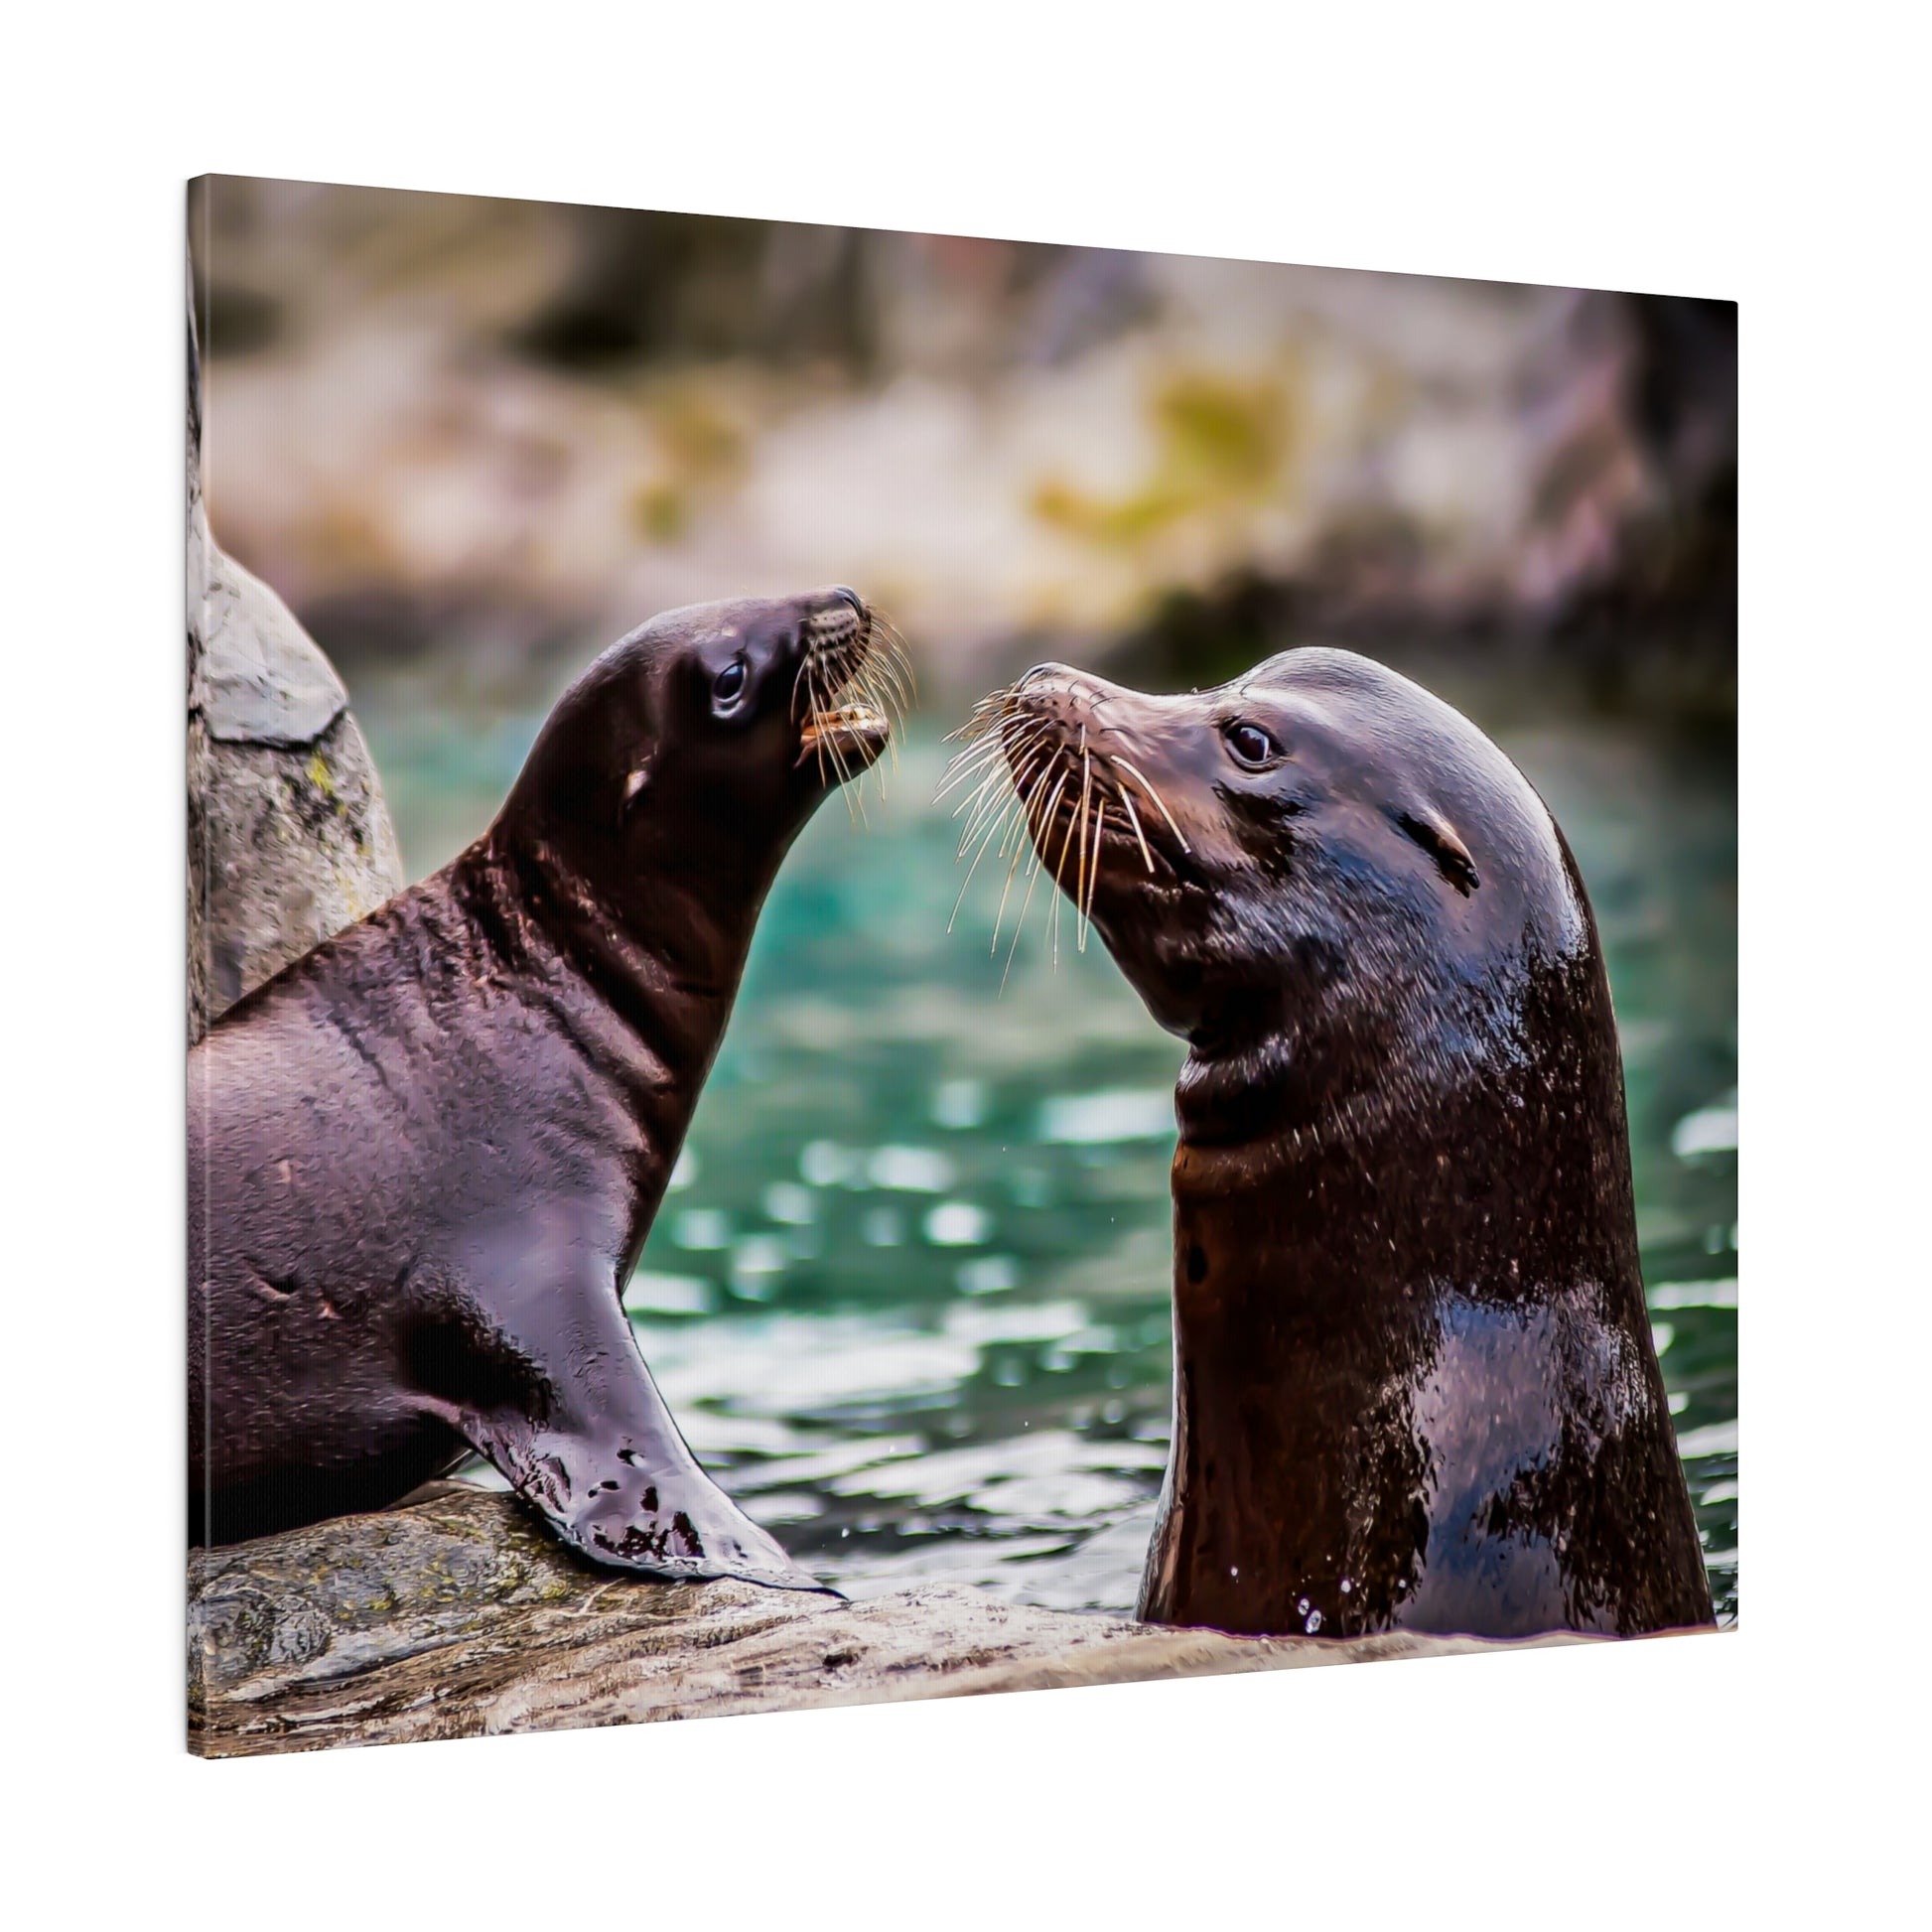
point(1346, 1585)
point(1303, 1607)
point(1315, 1621)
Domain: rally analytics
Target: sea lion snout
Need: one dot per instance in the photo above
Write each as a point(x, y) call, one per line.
point(852, 674)
point(1115, 745)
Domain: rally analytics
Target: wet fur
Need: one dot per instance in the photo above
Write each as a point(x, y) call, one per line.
point(424, 1159)
point(1413, 1379)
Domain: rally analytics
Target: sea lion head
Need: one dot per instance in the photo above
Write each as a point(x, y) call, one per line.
point(1318, 866)
point(696, 747)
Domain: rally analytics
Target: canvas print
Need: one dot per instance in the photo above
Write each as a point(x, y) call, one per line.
point(923, 965)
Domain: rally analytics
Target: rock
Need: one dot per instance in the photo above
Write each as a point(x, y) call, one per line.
point(288, 836)
point(460, 1615)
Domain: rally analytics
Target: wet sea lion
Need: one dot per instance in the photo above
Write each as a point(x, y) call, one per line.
point(423, 1158)
point(1414, 1378)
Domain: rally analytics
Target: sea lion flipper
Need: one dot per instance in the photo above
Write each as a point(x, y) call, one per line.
point(577, 1425)
point(628, 1493)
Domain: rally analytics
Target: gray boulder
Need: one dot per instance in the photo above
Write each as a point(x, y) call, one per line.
point(288, 836)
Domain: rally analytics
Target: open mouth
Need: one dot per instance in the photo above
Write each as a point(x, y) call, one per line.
point(850, 688)
point(850, 737)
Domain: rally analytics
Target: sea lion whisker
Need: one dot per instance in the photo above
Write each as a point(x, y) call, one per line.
point(827, 678)
point(1080, 874)
point(975, 724)
point(1060, 872)
point(1010, 818)
point(826, 741)
point(1037, 826)
point(1100, 802)
point(1019, 831)
point(989, 808)
point(1013, 866)
point(1093, 861)
point(1021, 752)
point(989, 803)
point(1147, 786)
point(1025, 743)
point(1033, 879)
point(897, 668)
point(989, 771)
point(967, 763)
point(1133, 819)
point(814, 711)
point(884, 676)
point(887, 704)
point(975, 866)
point(855, 804)
point(1037, 829)
point(988, 797)
point(991, 784)
point(976, 758)
point(990, 711)
point(887, 635)
point(1023, 832)
point(1025, 786)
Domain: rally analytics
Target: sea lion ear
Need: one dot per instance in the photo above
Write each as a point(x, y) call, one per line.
point(1438, 838)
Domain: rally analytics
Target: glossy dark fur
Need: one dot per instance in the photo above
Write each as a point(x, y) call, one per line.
point(424, 1157)
point(1414, 1380)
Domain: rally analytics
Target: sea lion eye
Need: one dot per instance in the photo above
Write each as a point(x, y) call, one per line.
point(1250, 745)
point(729, 686)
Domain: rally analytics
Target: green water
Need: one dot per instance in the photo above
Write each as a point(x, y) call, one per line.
point(909, 1293)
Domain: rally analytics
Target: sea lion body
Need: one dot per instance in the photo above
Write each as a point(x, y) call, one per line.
point(424, 1157)
point(1415, 1385)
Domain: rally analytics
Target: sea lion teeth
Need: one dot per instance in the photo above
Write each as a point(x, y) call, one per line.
point(848, 718)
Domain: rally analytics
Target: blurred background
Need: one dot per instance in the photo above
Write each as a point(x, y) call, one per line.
point(909, 1293)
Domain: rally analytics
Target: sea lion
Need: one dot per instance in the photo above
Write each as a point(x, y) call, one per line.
point(1414, 1378)
point(424, 1156)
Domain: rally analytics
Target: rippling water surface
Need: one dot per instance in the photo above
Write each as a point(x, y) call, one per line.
point(909, 1293)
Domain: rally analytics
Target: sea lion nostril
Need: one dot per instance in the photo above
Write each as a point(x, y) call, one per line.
point(850, 596)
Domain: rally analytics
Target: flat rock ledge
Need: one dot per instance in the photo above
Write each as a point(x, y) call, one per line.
point(462, 1616)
